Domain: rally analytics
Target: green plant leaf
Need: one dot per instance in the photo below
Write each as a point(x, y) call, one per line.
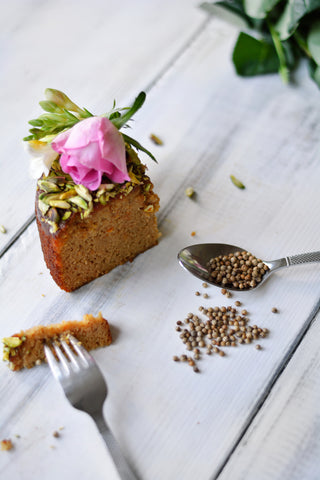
point(259, 8)
point(137, 145)
point(254, 57)
point(313, 41)
point(314, 72)
point(50, 107)
point(123, 119)
point(229, 10)
point(293, 12)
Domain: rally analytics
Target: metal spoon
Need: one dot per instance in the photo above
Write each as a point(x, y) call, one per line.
point(195, 259)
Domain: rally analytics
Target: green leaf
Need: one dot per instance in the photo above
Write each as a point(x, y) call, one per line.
point(314, 72)
point(259, 8)
point(86, 113)
point(50, 107)
point(37, 122)
point(138, 146)
point(293, 12)
point(313, 41)
point(230, 10)
point(113, 115)
point(254, 57)
point(123, 119)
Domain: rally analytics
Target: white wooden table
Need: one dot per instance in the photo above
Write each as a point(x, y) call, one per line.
point(249, 415)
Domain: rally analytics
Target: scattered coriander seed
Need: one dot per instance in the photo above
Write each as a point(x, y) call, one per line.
point(191, 362)
point(258, 347)
point(222, 327)
point(223, 291)
point(274, 310)
point(205, 295)
point(56, 434)
point(205, 285)
point(228, 294)
point(237, 303)
point(197, 294)
point(196, 369)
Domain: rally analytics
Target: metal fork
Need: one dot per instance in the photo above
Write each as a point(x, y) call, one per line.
point(86, 389)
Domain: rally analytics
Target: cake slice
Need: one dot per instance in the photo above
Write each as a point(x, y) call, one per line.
point(95, 206)
point(25, 349)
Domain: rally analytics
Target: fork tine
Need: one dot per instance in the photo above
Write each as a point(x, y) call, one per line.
point(64, 362)
point(53, 364)
point(81, 351)
point(70, 354)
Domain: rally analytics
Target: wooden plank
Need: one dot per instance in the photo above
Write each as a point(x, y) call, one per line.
point(94, 51)
point(283, 440)
point(171, 422)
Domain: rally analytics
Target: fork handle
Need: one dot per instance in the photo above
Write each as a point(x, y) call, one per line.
point(124, 470)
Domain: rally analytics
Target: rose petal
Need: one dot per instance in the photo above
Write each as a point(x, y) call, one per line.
point(91, 148)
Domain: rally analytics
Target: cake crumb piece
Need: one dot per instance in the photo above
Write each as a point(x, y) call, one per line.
point(193, 233)
point(6, 444)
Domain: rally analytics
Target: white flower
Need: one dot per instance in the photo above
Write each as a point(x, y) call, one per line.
point(42, 157)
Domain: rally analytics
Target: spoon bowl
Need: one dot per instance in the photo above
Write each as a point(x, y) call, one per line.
point(195, 259)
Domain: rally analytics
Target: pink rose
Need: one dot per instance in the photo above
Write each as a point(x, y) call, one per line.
point(91, 148)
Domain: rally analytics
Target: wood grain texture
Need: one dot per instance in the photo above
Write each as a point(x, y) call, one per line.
point(270, 449)
point(171, 422)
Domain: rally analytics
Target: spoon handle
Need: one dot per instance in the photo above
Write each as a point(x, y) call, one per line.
point(303, 258)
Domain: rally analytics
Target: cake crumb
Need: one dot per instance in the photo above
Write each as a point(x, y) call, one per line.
point(193, 233)
point(6, 445)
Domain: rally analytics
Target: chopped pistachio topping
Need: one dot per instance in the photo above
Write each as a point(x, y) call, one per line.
point(12, 342)
point(189, 192)
point(60, 197)
point(237, 182)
